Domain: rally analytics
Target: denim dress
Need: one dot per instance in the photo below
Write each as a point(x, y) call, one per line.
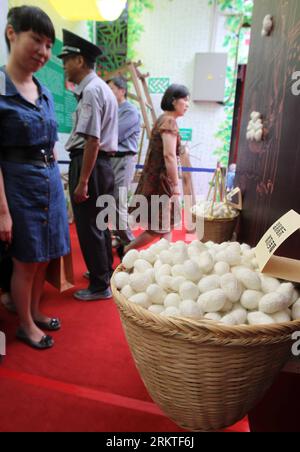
point(34, 194)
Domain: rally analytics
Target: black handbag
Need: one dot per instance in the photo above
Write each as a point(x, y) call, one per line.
point(6, 267)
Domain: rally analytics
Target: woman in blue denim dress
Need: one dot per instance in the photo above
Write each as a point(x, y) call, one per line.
point(33, 218)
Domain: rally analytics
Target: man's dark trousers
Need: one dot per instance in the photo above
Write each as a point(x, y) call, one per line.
point(95, 244)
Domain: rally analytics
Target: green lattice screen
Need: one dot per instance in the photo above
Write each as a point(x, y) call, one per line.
point(112, 37)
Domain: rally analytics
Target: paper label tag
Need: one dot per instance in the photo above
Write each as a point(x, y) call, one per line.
point(279, 232)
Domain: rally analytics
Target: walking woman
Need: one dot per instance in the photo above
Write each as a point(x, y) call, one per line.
point(33, 218)
point(160, 174)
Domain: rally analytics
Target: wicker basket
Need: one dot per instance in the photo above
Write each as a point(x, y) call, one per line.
point(204, 376)
point(218, 230)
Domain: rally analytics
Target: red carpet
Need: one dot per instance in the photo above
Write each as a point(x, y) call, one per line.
point(87, 382)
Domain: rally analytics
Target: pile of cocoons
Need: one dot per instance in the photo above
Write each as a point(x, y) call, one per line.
point(218, 282)
point(209, 209)
point(255, 128)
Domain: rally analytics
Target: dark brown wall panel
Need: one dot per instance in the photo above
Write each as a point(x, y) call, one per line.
point(269, 172)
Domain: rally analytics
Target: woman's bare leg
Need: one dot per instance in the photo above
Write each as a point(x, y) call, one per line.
point(37, 292)
point(21, 291)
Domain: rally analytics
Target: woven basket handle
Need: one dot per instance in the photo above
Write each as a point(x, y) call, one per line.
point(234, 192)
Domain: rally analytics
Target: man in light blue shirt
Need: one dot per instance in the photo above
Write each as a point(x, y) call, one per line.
point(123, 162)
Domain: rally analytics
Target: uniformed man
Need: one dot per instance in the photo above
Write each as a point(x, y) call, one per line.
point(93, 140)
point(123, 162)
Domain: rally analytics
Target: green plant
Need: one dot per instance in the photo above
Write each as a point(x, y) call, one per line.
point(112, 38)
point(135, 28)
point(238, 12)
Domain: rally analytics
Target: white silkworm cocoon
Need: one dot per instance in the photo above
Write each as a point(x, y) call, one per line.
point(192, 271)
point(205, 262)
point(248, 278)
point(213, 252)
point(142, 266)
point(212, 301)
point(127, 291)
point(248, 254)
point(198, 245)
point(209, 283)
point(229, 256)
point(179, 257)
point(282, 316)
point(233, 253)
point(166, 257)
point(151, 274)
point(246, 263)
point(232, 288)
point(194, 252)
point(156, 294)
point(295, 296)
point(273, 302)
point(165, 282)
point(221, 268)
point(189, 308)
point(296, 310)
point(164, 270)
point(222, 246)
point(267, 25)
point(156, 309)
point(178, 270)
point(141, 299)
point(148, 256)
point(250, 299)
point(245, 247)
point(189, 291)
point(163, 244)
point(157, 265)
point(269, 284)
point(259, 318)
point(287, 289)
point(172, 299)
point(171, 312)
point(213, 316)
point(139, 282)
point(177, 282)
point(228, 306)
point(258, 135)
point(240, 315)
point(121, 280)
point(255, 115)
point(130, 258)
point(236, 317)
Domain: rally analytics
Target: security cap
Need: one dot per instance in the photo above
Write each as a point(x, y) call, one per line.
point(74, 44)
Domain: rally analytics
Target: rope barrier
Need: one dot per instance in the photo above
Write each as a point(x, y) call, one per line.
point(183, 169)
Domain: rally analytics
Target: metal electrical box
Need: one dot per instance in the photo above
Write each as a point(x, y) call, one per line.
point(209, 77)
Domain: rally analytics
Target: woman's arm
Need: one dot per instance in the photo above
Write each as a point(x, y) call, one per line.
point(5, 218)
point(170, 143)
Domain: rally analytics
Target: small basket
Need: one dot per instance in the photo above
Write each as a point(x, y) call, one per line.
point(205, 376)
point(217, 230)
